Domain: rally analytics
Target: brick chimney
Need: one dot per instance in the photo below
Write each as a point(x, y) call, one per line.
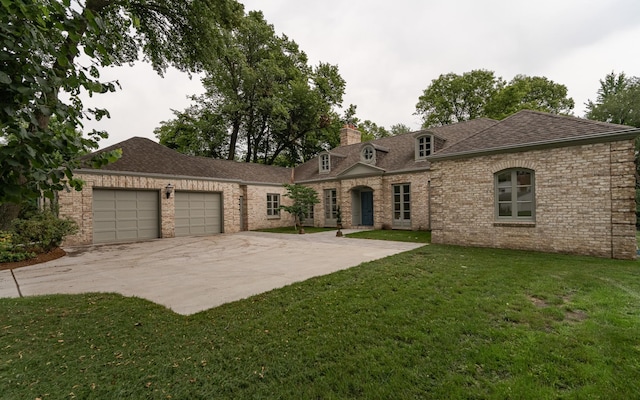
point(349, 135)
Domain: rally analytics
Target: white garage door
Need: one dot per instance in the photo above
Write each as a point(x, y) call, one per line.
point(125, 215)
point(198, 213)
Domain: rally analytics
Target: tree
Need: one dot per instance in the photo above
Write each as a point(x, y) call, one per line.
point(41, 76)
point(618, 101)
point(197, 131)
point(304, 198)
point(276, 105)
point(399, 129)
point(454, 98)
point(369, 129)
point(529, 93)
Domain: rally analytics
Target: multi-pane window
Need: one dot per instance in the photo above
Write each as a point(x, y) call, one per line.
point(423, 147)
point(367, 154)
point(273, 205)
point(330, 204)
point(515, 194)
point(402, 205)
point(325, 165)
point(308, 217)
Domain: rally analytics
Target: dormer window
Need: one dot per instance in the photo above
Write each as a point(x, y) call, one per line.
point(424, 146)
point(368, 154)
point(325, 163)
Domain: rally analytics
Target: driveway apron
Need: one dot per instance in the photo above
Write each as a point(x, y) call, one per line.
point(191, 274)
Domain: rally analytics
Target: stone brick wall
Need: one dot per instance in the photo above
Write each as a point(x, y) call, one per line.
point(382, 199)
point(256, 200)
point(584, 201)
point(79, 205)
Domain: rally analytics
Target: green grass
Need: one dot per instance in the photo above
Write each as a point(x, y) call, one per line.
point(435, 322)
point(395, 235)
point(291, 229)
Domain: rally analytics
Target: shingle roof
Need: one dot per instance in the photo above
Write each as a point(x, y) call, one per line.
point(528, 128)
point(141, 155)
point(393, 154)
point(400, 155)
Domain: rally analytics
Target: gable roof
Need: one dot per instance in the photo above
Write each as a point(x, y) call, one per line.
point(144, 156)
point(395, 153)
point(526, 129)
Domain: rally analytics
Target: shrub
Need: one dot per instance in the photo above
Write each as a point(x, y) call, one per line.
point(41, 231)
point(9, 252)
point(11, 256)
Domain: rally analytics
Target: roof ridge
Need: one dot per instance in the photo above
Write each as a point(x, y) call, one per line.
point(495, 122)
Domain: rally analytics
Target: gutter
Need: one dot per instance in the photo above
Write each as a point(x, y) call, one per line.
point(172, 177)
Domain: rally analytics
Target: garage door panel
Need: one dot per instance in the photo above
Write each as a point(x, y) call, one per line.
point(197, 213)
point(123, 215)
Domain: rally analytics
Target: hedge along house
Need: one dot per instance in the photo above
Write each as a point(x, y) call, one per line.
point(531, 181)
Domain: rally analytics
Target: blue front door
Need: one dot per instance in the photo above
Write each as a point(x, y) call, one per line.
point(366, 201)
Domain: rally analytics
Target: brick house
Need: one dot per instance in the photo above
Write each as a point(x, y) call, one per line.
point(532, 181)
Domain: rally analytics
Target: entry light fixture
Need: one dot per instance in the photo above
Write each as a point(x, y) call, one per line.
point(168, 190)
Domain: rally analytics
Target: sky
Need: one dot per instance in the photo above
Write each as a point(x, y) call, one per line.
point(388, 52)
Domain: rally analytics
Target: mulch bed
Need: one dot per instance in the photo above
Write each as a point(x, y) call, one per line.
point(40, 258)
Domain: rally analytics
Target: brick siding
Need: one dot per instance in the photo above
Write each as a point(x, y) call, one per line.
point(584, 201)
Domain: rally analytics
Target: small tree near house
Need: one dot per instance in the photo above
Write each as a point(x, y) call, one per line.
point(303, 198)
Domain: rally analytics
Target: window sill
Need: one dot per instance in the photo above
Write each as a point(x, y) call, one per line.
point(516, 224)
point(273, 217)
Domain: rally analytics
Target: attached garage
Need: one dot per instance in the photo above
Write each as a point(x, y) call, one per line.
point(125, 215)
point(198, 213)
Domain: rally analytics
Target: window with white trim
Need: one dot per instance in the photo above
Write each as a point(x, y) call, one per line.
point(424, 145)
point(515, 195)
point(273, 205)
point(325, 163)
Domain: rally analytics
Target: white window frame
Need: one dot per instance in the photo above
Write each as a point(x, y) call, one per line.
point(513, 193)
point(273, 205)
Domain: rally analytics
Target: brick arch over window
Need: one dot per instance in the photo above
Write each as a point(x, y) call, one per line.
point(513, 164)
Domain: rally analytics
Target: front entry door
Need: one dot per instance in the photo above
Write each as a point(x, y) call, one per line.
point(366, 201)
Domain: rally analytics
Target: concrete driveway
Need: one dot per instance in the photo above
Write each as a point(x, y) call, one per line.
point(192, 274)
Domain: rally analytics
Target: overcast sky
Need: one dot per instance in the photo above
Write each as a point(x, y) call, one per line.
point(388, 52)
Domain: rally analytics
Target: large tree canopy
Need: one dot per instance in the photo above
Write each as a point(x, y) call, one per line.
point(454, 98)
point(42, 74)
point(276, 107)
point(618, 100)
point(529, 93)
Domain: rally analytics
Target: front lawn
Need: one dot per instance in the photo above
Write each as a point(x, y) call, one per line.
point(395, 235)
point(435, 322)
point(292, 230)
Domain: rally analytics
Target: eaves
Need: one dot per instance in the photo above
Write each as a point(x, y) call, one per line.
point(542, 145)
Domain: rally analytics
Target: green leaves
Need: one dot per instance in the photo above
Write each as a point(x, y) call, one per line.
point(454, 98)
point(618, 101)
point(303, 197)
point(41, 81)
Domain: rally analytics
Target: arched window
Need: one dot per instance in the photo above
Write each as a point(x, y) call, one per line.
point(515, 195)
